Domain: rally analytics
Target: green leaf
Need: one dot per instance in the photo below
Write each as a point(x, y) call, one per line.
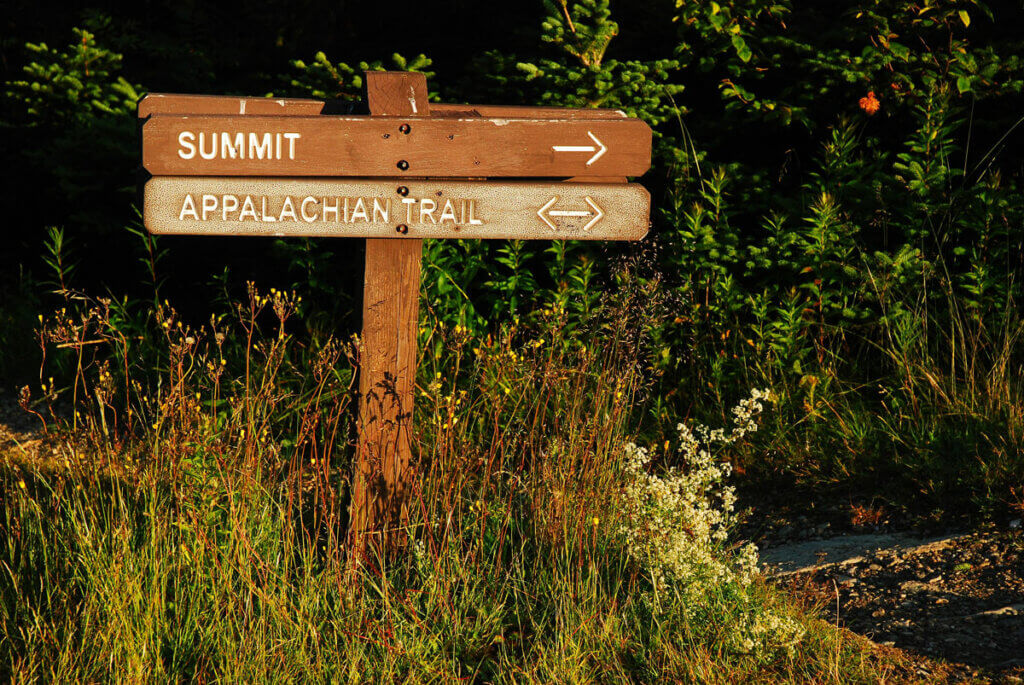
point(900, 50)
point(742, 49)
point(965, 18)
point(963, 83)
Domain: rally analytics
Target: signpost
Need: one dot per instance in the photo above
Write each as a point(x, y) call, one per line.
point(410, 170)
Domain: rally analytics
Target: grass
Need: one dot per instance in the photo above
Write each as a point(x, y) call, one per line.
point(930, 422)
point(133, 584)
point(192, 525)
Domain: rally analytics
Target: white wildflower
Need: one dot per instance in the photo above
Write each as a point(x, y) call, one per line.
point(677, 522)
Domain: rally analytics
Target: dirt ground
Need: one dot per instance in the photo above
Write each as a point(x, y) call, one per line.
point(958, 599)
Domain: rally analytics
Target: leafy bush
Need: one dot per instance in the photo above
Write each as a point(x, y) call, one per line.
point(75, 84)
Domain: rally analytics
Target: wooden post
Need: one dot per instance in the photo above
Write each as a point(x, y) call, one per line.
point(387, 369)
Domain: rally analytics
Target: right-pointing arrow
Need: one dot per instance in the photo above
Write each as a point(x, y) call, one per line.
point(599, 150)
point(603, 149)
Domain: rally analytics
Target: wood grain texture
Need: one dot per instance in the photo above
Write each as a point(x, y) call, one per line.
point(525, 111)
point(397, 145)
point(385, 208)
point(387, 362)
point(170, 103)
point(166, 103)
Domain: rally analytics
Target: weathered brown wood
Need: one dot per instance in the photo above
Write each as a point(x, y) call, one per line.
point(525, 111)
point(384, 208)
point(169, 103)
point(387, 362)
point(596, 179)
point(397, 145)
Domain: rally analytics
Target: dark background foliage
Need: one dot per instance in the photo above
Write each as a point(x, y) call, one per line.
point(838, 207)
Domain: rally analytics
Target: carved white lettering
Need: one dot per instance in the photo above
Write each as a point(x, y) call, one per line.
point(427, 212)
point(263, 211)
point(292, 137)
point(188, 208)
point(212, 154)
point(260, 148)
point(288, 209)
point(209, 205)
point(228, 203)
point(232, 148)
point(237, 145)
point(334, 209)
point(381, 211)
point(308, 218)
point(408, 202)
point(448, 213)
point(248, 209)
point(313, 209)
point(186, 139)
point(360, 211)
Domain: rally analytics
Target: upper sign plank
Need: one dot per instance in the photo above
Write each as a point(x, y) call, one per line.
point(169, 103)
point(393, 146)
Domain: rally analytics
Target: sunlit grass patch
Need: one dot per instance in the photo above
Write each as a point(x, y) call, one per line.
point(200, 535)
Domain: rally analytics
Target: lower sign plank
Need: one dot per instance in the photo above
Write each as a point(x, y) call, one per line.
point(396, 208)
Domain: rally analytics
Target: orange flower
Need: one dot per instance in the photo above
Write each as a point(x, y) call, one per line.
point(870, 104)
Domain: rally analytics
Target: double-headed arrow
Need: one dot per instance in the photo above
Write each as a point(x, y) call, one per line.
point(546, 212)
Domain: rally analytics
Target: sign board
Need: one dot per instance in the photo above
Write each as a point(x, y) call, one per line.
point(387, 208)
point(243, 145)
point(225, 165)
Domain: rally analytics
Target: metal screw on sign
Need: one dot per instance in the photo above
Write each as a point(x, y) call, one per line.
point(256, 166)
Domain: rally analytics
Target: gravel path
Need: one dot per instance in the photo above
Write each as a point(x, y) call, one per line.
point(959, 598)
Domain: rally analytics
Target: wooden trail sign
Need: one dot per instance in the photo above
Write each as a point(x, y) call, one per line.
point(244, 145)
point(225, 165)
point(389, 209)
